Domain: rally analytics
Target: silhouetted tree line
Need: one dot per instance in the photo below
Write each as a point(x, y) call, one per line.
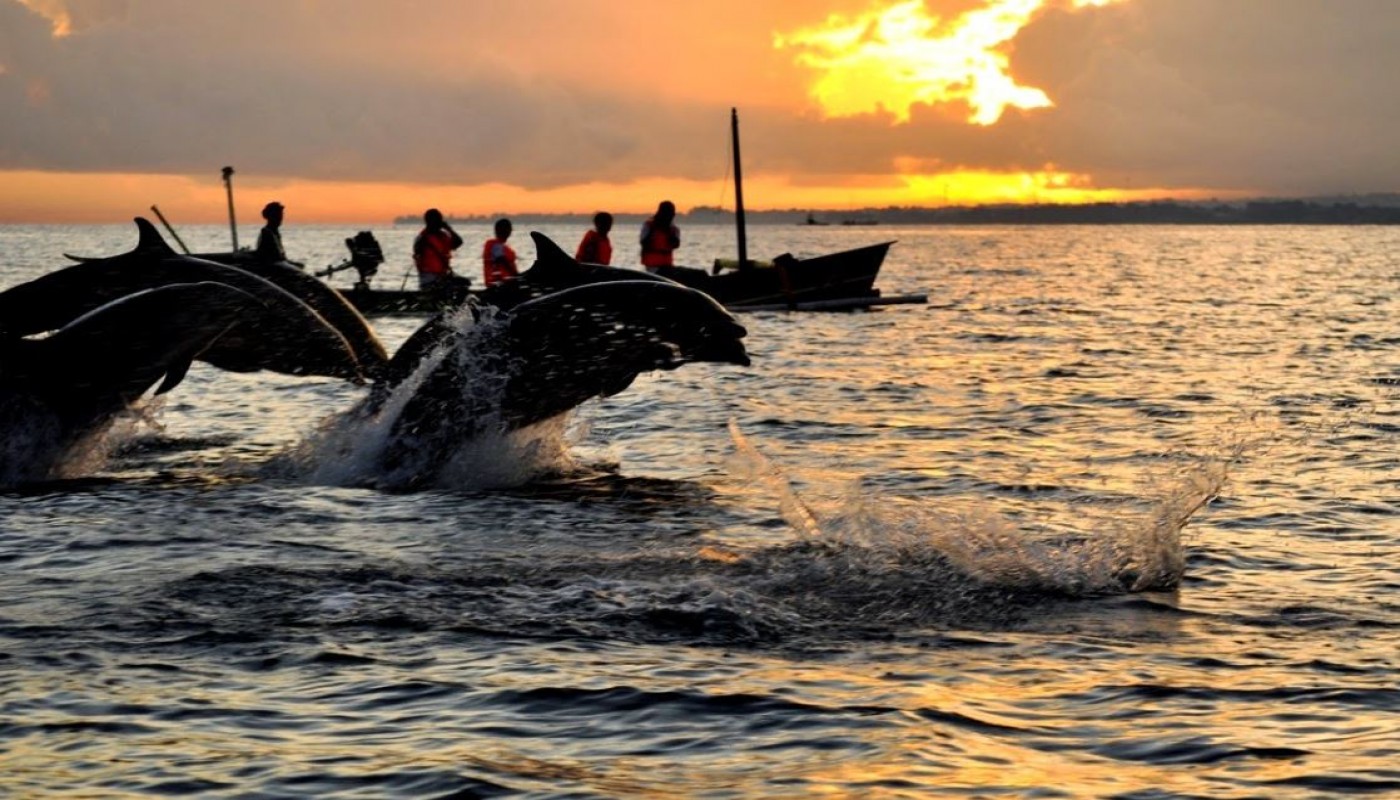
point(1257, 212)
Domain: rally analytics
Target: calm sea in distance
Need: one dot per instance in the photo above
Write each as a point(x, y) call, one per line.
point(1116, 514)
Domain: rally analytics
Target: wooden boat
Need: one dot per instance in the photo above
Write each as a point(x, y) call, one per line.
point(845, 279)
point(849, 274)
point(391, 303)
point(838, 281)
point(834, 281)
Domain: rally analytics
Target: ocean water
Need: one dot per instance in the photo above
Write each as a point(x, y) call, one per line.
point(1116, 514)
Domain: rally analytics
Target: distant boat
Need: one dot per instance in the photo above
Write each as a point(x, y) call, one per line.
point(811, 220)
point(860, 222)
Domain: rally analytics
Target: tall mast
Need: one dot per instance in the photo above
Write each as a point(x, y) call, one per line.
point(738, 192)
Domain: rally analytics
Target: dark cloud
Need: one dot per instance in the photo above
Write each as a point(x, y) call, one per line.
point(1268, 95)
point(1273, 95)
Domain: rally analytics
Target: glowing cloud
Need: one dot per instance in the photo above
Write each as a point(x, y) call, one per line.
point(71, 16)
point(55, 12)
point(903, 55)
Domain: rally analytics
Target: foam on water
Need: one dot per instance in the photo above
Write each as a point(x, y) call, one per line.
point(879, 567)
point(349, 449)
point(1137, 552)
point(34, 447)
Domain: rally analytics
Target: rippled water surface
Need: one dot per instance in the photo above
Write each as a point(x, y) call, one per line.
point(1115, 514)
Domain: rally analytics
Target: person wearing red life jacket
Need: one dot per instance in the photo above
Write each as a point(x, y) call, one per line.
point(497, 257)
point(660, 237)
point(596, 248)
point(432, 254)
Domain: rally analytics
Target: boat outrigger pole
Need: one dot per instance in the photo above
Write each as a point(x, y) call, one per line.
point(166, 223)
point(232, 225)
point(740, 233)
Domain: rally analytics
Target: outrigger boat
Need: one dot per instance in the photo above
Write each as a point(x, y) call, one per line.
point(843, 280)
point(837, 281)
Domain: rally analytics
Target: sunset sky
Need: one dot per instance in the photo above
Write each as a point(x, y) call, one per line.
point(360, 110)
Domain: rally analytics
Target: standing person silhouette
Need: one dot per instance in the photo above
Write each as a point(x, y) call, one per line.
point(497, 257)
point(596, 248)
point(660, 237)
point(432, 255)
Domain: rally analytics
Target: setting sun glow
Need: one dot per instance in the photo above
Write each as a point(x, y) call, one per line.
point(893, 59)
point(113, 105)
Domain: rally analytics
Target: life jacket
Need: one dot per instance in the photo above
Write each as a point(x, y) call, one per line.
point(492, 272)
point(656, 244)
point(432, 254)
point(594, 249)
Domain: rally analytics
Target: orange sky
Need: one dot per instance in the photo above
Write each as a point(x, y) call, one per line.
point(358, 110)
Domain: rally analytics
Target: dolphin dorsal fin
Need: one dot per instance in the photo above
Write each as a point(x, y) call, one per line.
point(151, 240)
point(551, 257)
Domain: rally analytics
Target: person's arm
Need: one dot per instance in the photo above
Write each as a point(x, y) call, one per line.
point(675, 237)
point(456, 240)
point(646, 233)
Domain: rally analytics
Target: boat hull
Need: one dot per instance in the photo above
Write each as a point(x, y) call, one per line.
point(835, 280)
point(835, 276)
point(390, 303)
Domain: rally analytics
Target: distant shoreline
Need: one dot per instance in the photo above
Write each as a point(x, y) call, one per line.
point(1255, 212)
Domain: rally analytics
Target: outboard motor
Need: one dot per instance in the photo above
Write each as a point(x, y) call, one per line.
point(365, 256)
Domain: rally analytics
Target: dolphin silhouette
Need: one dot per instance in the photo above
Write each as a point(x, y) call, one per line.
point(565, 333)
point(284, 335)
point(60, 389)
point(539, 360)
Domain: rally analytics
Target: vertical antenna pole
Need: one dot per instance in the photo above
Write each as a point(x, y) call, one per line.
point(740, 232)
point(232, 223)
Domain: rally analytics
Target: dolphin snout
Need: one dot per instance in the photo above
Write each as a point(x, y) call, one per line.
point(722, 343)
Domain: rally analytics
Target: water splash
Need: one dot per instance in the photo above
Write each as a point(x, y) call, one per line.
point(877, 568)
point(35, 447)
point(366, 447)
point(1139, 552)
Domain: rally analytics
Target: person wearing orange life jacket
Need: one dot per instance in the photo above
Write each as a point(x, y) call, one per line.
point(497, 257)
point(596, 248)
point(432, 254)
point(660, 237)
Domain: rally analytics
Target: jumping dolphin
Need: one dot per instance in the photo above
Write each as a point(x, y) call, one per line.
point(331, 305)
point(285, 335)
point(539, 360)
point(57, 390)
point(124, 322)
